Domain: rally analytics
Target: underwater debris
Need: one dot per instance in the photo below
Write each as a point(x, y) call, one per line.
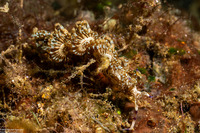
point(60, 45)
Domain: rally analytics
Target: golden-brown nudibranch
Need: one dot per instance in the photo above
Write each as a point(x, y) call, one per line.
point(83, 41)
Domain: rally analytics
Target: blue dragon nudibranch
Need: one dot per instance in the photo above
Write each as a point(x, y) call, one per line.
point(61, 45)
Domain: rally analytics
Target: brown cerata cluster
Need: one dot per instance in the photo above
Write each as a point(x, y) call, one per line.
point(61, 45)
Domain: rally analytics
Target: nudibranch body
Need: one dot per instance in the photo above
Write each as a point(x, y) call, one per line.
point(61, 44)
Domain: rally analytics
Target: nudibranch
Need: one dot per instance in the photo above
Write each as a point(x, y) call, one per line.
point(82, 41)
